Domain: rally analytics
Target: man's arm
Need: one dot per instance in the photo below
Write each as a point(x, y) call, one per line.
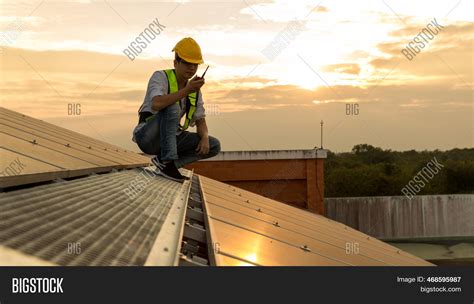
point(203, 146)
point(202, 128)
point(160, 102)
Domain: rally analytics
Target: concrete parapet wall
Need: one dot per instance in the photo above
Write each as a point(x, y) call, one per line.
point(392, 217)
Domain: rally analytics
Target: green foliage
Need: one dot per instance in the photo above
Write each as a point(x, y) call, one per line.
point(372, 171)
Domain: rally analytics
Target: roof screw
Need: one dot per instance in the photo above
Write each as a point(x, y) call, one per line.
point(34, 141)
point(248, 201)
point(165, 249)
point(105, 149)
point(276, 224)
point(89, 147)
point(305, 248)
point(68, 145)
point(259, 210)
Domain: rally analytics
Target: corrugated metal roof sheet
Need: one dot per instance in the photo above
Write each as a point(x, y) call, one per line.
point(45, 152)
point(252, 229)
point(109, 226)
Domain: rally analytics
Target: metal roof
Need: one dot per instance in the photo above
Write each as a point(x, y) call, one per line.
point(43, 151)
point(99, 205)
point(252, 229)
point(95, 214)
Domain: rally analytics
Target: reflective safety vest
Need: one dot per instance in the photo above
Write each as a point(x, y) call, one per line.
point(191, 101)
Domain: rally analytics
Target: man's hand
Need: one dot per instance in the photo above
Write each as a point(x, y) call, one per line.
point(203, 146)
point(195, 84)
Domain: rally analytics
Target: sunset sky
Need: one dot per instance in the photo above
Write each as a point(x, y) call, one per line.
point(54, 53)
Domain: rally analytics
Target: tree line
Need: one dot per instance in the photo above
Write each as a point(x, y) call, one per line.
point(372, 171)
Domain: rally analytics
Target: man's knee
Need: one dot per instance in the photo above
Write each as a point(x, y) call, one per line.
point(215, 146)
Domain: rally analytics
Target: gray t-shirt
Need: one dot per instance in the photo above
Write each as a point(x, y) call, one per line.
point(158, 86)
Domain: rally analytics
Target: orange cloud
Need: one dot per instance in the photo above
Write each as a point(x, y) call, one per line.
point(343, 68)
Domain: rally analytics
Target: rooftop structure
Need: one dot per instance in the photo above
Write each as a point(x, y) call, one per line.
point(72, 200)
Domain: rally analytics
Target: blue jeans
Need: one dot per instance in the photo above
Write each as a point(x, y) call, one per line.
point(158, 137)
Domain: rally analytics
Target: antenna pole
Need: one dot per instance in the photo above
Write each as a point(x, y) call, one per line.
point(322, 134)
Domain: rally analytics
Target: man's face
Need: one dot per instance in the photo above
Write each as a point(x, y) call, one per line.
point(185, 69)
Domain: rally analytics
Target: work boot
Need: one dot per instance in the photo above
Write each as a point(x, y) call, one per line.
point(170, 171)
point(158, 164)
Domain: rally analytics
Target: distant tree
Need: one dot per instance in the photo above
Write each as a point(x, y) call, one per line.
point(364, 148)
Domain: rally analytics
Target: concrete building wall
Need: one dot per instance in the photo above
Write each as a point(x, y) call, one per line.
point(392, 217)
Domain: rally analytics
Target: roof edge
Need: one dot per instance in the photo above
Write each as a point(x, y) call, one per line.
point(269, 155)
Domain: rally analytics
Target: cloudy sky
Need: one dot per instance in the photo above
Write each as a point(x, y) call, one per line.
point(277, 68)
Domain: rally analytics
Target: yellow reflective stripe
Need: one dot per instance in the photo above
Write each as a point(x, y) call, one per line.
point(172, 82)
point(193, 98)
point(189, 116)
point(186, 124)
point(192, 109)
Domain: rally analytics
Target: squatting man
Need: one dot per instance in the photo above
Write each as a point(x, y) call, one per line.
point(170, 95)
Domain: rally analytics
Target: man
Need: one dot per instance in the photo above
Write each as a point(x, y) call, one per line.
point(172, 94)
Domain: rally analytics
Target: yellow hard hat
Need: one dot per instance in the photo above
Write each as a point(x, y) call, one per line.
point(188, 49)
